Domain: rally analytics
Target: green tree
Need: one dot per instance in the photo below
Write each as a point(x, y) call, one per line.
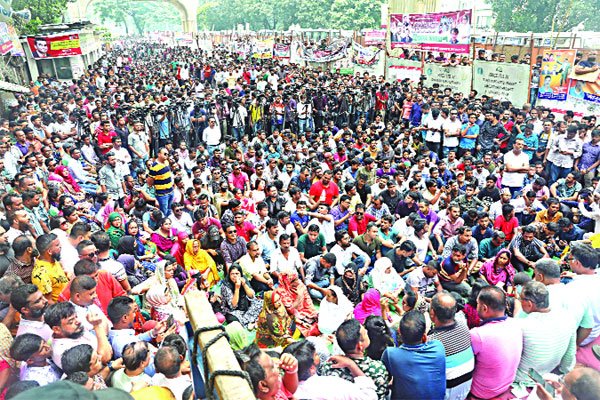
point(42, 12)
point(545, 15)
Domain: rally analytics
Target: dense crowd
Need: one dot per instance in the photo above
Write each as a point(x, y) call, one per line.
point(360, 239)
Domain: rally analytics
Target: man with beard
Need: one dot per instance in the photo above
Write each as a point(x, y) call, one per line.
point(6, 253)
point(85, 299)
point(48, 274)
point(68, 332)
point(19, 225)
point(25, 253)
point(31, 304)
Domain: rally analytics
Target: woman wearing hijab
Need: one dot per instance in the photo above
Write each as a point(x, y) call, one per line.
point(370, 305)
point(351, 283)
point(274, 325)
point(197, 259)
point(132, 227)
point(135, 274)
point(239, 302)
point(335, 309)
point(115, 230)
point(296, 300)
point(61, 174)
point(499, 271)
point(386, 280)
point(178, 249)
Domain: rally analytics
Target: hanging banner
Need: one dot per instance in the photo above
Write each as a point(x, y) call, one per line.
point(6, 44)
point(281, 51)
point(502, 81)
point(444, 31)
point(54, 46)
point(457, 78)
point(263, 49)
point(586, 91)
point(400, 69)
point(554, 74)
point(364, 55)
point(337, 49)
point(375, 37)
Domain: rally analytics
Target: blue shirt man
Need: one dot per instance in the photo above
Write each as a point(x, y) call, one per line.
point(414, 360)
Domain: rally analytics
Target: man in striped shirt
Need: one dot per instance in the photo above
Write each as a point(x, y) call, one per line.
point(456, 339)
point(161, 178)
point(548, 335)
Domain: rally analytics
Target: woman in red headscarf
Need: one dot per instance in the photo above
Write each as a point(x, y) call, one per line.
point(296, 300)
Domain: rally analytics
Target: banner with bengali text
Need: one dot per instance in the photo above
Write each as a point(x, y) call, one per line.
point(375, 37)
point(457, 78)
point(263, 49)
point(281, 50)
point(585, 91)
point(502, 81)
point(554, 74)
point(399, 69)
point(443, 31)
point(54, 46)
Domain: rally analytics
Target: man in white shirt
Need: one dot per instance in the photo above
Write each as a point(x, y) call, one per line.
point(346, 252)
point(166, 360)
point(516, 165)
point(451, 127)
point(212, 135)
point(285, 258)
point(180, 220)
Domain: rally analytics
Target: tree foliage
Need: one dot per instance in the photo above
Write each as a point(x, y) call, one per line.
point(42, 12)
point(543, 15)
point(137, 17)
point(280, 14)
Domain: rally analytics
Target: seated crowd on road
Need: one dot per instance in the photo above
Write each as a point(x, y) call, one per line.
point(359, 239)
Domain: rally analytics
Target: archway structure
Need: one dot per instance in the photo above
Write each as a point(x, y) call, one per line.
point(188, 9)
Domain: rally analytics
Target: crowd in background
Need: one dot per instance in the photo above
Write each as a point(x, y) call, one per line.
point(359, 239)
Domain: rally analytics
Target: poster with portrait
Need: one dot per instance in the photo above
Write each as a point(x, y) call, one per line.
point(443, 31)
point(503, 81)
point(54, 46)
point(586, 91)
point(554, 74)
point(263, 49)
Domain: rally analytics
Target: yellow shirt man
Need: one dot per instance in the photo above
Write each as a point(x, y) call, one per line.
point(49, 278)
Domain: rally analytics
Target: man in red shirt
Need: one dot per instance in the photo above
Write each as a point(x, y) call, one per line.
point(357, 225)
point(105, 137)
point(381, 100)
point(244, 228)
point(325, 191)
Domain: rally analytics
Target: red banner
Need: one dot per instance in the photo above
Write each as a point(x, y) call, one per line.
point(54, 46)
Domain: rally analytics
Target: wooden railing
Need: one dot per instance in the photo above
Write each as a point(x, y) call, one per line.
point(219, 355)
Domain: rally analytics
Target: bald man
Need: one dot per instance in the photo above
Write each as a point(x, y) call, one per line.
point(580, 384)
point(456, 339)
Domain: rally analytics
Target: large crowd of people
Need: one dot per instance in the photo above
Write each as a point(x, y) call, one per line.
point(359, 239)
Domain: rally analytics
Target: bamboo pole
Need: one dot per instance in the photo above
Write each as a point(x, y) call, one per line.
point(219, 355)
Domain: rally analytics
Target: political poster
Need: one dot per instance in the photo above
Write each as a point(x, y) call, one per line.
point(6, 44)
point(375, 37)
point(457, 78)
point(586, 91)
point(399, 69)
point(263, 49)
point(554, 74)
point(54, 46)
point(443, 31)
point(281, 50)
point(502, 81)
point(337, 49)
